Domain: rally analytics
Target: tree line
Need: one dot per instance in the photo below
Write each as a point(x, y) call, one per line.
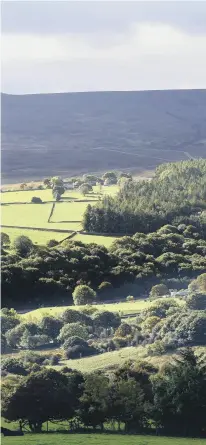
point(176, 194)
point(137, 395)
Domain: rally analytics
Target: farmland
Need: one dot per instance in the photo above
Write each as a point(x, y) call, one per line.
point(20, 216)
point(97, 439)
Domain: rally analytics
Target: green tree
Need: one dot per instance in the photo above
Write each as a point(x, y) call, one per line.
point(42, 396)
point(50, 326)
point(180, 394)
point(83, 295)
point(71, 330)
point(197, 301)
point(160, 290)
point(85, 189)
point(5, 240)
point(111, 177)
point(23, 245)
point(106, 319)
point(94, 401)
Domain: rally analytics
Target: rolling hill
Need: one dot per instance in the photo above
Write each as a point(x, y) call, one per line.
point(72, 133)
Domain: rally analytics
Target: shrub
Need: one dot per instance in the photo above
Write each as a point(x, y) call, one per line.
point(52, 243)
point(80, 351)
point(120, 342)
point(36, 200)
point(123, 330)
point(13, 366)
point(157, 348)
point(83, 295)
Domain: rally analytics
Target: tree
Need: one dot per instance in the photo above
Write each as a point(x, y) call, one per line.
point(73, 316)
point(5, 240)
point(8, 322)
point(160, 290)
point(42, 396)
point(85, 189)
point(50, 326)
point(71, 330)
point(23, 245)
point(180, 394)
point(111, 177)
point(127, 403)
point(14, 335)
point(106, 319)
point(57, 187)
point(197, 301)
point(83, 295)
point(94, 401)
point(47, 183)
point(23, 186)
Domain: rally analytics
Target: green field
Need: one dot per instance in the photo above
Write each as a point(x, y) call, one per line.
point(37, 236)
point(98, 439)
point(67, 215)
point(123, 308)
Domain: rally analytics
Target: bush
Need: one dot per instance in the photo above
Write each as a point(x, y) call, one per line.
point(52, 243)
point(79, 351)
point(13, 366)
point(160, 290)
point(23, 245)
point(8, 323)
point(73, 316)
point(71, 330)
point(50, 326)
point(106, 319)
point(120, 342)
point(130, 298)
point(73, 341)
point(29, 341)
point(83, 295)
point(36, 200)
point(157, 348)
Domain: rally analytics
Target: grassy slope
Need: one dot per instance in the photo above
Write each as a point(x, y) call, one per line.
point(98, 439)
point(123, 308)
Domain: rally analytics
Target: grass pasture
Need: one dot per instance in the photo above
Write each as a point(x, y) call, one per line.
point(68, 214)
point(37, 236)
point(98, 439)
point(98, 239)
point(123, 308)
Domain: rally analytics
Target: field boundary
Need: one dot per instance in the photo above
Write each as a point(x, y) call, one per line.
point(41, 229)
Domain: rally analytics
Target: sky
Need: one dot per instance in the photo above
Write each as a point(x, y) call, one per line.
point(63, 46)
